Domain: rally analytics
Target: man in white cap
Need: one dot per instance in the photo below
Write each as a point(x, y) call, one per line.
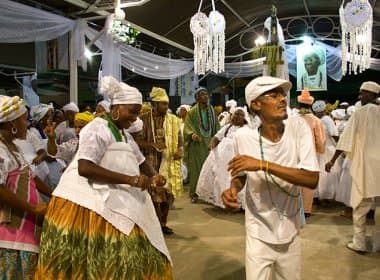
point(272, 162)
point(360, 141)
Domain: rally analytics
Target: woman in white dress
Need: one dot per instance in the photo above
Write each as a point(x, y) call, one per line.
point(328, 182)
point(214, 177)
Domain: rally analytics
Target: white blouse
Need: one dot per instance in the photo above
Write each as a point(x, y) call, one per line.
point(96, 136)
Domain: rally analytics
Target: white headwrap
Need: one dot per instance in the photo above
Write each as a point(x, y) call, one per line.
point(244, 109)
point(136, 126)
point(231, 103)
point(39, 111)
point(319, 106)
point(71, 107)
point(338, 114)
point(105, 104)
point(11, 108)
point(119, 92)
point(187, 107)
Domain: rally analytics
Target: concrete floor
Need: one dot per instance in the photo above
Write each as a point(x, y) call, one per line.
point(209, 244)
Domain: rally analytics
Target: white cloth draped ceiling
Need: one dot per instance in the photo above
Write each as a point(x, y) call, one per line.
point(21, 23)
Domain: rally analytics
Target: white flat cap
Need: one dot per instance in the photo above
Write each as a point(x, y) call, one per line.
point(260, 85)
point(371, 87)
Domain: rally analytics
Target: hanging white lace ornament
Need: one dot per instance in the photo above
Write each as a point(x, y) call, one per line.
point(356, 22)
point(216, 42)
point(199, 26)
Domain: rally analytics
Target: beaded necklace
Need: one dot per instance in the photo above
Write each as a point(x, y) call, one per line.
point(207, 126)
point(276, 184)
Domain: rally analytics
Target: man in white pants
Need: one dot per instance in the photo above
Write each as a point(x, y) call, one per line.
point(274, 161)
point(360, 140)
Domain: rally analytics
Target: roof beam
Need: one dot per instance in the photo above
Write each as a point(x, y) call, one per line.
point(235, 13)
point(307, 10)
point(83, 4)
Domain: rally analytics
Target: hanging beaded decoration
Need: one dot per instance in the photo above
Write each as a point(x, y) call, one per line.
point(356, 20)
point(209, 43)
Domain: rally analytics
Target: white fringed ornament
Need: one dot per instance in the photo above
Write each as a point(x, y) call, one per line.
point(356, 20)
point(216, 42)
point(209, 41)
point(199, 26)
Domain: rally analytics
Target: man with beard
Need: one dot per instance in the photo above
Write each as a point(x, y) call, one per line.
point(161, 143)
point(201, 124)
point(272, 161)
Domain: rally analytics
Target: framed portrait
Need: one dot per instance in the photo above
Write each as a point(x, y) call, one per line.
point(311, 68)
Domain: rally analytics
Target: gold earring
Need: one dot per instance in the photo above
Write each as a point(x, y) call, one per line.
point(118, 116)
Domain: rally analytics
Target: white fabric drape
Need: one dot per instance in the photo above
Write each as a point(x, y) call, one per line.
point(111, 56)
point(21, 23)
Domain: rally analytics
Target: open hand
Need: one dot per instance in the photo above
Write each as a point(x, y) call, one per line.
point(50, 129)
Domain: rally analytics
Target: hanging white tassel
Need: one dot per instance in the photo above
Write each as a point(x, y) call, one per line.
point(199, 26)
point(356, 22)
point(216, 45)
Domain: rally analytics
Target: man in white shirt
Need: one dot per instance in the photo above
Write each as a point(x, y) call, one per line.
point(360, 141)
point(272, 161)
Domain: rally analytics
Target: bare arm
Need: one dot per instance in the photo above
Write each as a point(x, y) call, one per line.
point(9, 198)
point(147, 169)
point(52, 146)
point(229, 196)
point(331, 163)
point(99, 174)
point(42, 187)
point(295, 176)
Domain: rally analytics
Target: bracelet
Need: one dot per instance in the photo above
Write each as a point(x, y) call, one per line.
point(267, 168)
point(136, 181)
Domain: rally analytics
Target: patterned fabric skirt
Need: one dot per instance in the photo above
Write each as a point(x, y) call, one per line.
point(16, 264)
point(76, 243)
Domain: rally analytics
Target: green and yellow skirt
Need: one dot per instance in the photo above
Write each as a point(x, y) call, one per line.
point(77, 243)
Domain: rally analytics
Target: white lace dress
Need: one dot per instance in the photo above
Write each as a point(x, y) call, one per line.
point(214, 177)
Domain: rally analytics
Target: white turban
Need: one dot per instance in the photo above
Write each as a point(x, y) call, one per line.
point(39, 111)
point(244, 109)
point(136, 126)
point(105, 104)
point(338, 114)
point(260, 85)
point(11, 108)
point(71, 107)
point(319, 106)
point(119, 92)
point(187, 108)
point(231, 103)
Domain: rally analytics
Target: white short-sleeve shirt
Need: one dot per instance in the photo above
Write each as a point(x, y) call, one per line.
point(96, 136)
point(271, 215)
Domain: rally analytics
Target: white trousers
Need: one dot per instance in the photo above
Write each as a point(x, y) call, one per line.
point(359, 216)
point(263, 260)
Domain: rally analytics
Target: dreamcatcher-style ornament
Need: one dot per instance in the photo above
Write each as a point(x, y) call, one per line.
point(356, 21)
point(209, 42)
point(199, 26)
